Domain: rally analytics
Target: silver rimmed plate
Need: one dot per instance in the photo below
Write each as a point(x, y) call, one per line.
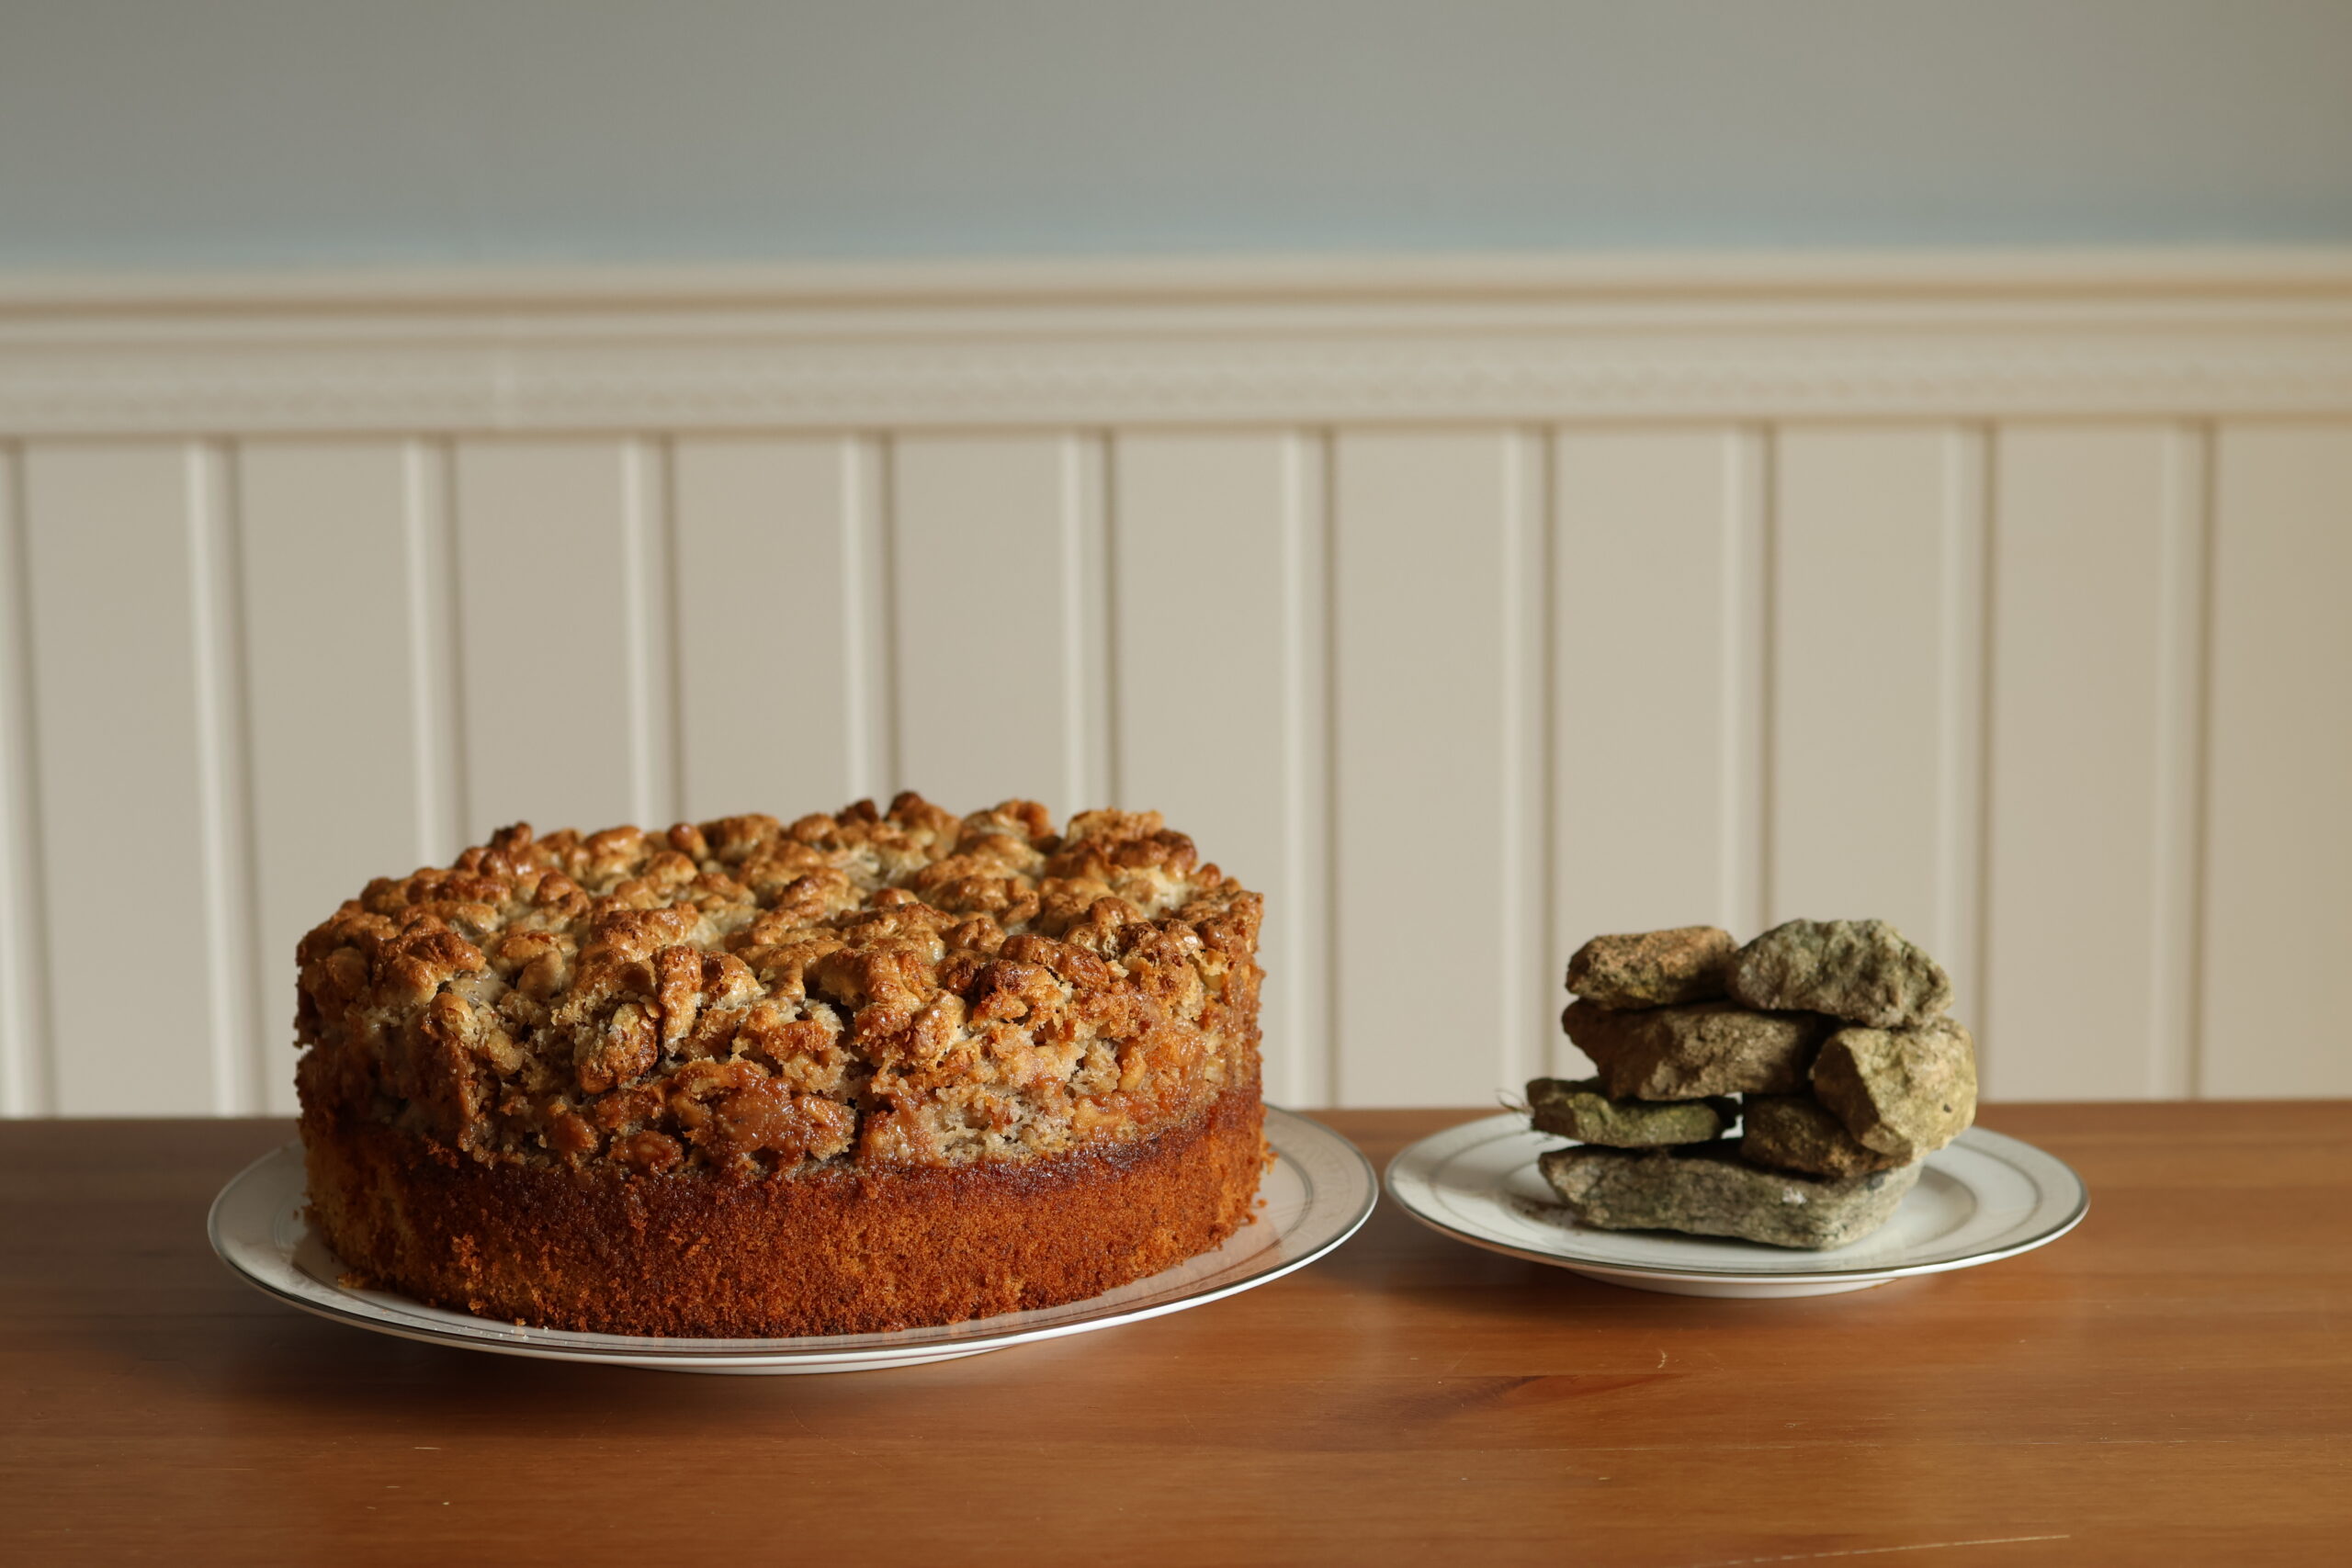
point(1315, 1193)
point(1984, 1197)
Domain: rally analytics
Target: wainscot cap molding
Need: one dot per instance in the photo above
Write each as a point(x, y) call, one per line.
point(1308, 339)
point(2183, 271)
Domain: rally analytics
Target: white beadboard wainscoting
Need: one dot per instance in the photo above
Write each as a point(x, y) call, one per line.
point(1466, 609)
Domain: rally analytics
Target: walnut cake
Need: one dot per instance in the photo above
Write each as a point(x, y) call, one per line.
point(864, 1072)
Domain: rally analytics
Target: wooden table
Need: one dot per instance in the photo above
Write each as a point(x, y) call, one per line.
point(2171, 1384)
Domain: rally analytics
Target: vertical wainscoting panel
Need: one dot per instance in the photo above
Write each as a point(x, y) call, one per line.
point(2278, 920)
point(1217, 579)
point(1877, 615)
point(135, 720)
point(1658, 644)
point(26, 1081)
point(997, 562)
point(2096, 545)
point(563, 601)
point(781, 705)
point(345, 584)
point(1437, 878)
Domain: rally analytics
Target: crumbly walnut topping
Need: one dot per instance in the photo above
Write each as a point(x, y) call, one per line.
point(899, 988)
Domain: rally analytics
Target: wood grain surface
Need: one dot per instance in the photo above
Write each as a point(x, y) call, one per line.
point(2171, 1384)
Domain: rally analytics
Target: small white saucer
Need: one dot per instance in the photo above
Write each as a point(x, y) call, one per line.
point(1985, 1197)
point(1318, 1189)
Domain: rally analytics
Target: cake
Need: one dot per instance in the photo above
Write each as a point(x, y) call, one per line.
point(868, 1071)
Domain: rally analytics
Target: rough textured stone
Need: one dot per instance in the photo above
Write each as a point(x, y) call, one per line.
point(1862, 971)
point(1708, 1191)
point(1653, 968)
point(1904, 1092)
point(1797, 1132)
point(1579, 1109)
point(1688, 1052)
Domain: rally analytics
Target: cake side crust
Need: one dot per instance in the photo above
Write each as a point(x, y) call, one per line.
point(838, 1249)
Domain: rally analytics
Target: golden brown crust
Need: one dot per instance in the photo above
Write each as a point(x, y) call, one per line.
point(870, 990)
point(837, 1249)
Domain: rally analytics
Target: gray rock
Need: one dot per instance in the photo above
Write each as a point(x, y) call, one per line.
point(1862, 971)
point(1707, 1190)
point(1797, 1132)
point(1689, 1053)
point(1904, 1092)
point(1651, 969)
point(1577, 1108)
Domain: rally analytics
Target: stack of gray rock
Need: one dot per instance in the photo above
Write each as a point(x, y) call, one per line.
point(1827, 1041)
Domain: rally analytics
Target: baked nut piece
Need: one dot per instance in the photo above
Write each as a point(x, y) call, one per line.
point(1707, 1189)
point(1687, 1053)
point(867, 1071)
point(1647, 969)
point(1834, 1115)
point(1582, 1109)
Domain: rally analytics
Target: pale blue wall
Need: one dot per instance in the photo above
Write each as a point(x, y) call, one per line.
point(274, 132)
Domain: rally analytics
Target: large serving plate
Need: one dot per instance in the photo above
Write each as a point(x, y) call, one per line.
point(1984, 1197)
point(1316, 1191)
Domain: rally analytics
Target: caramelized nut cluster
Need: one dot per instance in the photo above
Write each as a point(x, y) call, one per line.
point(905, 988)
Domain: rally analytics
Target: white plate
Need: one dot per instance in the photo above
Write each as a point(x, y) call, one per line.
point(1984, 1196)
point(1317, 1191)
